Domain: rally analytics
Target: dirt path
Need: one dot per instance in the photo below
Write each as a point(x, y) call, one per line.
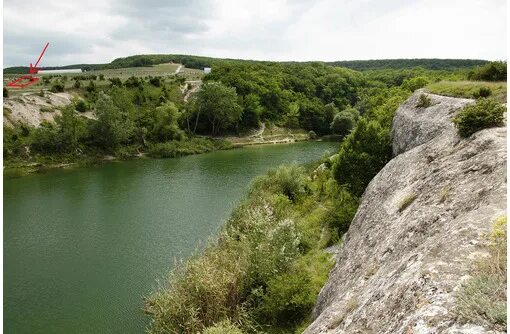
point(195, 86)
point(259, 132)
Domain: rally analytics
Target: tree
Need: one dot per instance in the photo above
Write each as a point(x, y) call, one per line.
point(362, 155)
point(166, 126)
point(251, 111)
point(91, 87)
point(63, 136)
point(218, 104)
point(71, 129)
point(493, 71)
point(342, 123)
point(330, 110)
point(112, 126)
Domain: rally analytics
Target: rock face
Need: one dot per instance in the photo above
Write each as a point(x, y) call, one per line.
point(32, 109)
point(399, 266)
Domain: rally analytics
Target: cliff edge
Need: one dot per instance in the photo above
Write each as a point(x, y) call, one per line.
point(422, 224)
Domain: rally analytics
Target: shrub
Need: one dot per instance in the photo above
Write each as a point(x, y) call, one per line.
point(493, 71)
point(91, 87)
point(285, 180)
point(57, 87)
point(77, 84)
point(482, 92)
point(485, 113)
point(413, 84)
point(101, 77)
point(41, 93)
point(482, 298)
point(6, 92)
point(423, 101)
point(224, 327)
point(288, 300)
point(312, 134)
point(81, 105)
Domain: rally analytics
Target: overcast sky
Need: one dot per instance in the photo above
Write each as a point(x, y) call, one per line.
point(98, 31)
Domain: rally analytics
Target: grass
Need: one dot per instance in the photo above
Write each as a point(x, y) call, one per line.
point(406, 201)
point(482, 298)
point(468, 89)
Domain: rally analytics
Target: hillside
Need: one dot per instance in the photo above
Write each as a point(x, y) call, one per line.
point(199, 62)
point(410, 262)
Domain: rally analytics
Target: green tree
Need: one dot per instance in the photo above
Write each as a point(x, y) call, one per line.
point(166, 123)
point(251, 111)
point(362, 155)
point(112, 127)
point(342, 123)
point(218, 104)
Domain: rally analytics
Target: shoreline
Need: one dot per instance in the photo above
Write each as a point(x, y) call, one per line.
point(24, 169)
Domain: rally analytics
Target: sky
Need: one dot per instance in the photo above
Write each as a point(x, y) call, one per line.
point(98, 31)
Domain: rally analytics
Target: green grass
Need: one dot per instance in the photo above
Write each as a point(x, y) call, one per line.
point(468, 89)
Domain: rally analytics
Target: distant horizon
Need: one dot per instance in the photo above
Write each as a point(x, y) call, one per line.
point(246, 59)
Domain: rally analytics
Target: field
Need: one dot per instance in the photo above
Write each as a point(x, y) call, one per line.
point(168, 70)
point(468, 89)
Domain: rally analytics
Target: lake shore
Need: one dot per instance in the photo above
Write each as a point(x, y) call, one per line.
point(19, 169)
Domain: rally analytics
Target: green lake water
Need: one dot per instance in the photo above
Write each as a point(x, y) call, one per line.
point(82, 247)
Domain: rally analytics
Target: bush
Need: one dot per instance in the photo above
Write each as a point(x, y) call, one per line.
point(57, 87)
point(288, 300)
point(77, 84)
point(224, 327)
point(482, 92)
point(312, 134)
point(423, 101)
point(415, 83)
point(6, 92)
point(91, 87)
point(285, 180)
point(493, 71)
point(485, 113)
point(81, 105)
point(101, 77)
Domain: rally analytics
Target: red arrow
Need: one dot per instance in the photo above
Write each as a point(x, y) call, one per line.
point(34, 69)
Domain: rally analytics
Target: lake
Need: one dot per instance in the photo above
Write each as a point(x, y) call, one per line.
point(83, 246)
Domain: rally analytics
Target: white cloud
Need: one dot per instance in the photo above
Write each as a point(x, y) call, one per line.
point(98, 31)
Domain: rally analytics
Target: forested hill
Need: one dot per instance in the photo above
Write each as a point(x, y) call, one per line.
point(430, 64)
point(200, 62)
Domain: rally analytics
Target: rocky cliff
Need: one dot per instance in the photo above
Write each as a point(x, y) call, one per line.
point(422, 223)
